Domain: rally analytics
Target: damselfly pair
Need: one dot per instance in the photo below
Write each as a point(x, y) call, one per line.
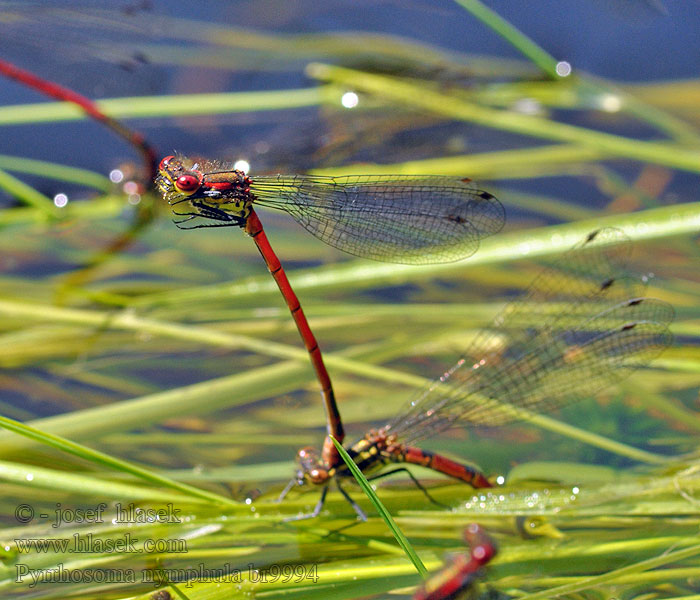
point(403, 219)
point(583, 324)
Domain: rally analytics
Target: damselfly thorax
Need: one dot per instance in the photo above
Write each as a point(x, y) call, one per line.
point(222, 196)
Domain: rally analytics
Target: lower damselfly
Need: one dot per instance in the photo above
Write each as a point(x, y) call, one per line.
point(458, 578)
point(583, 324)
point(415, 219)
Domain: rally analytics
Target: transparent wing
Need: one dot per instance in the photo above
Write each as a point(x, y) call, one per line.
point(582, 325)
point(403, 219)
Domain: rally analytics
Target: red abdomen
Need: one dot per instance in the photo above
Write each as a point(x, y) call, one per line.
point(444, 465)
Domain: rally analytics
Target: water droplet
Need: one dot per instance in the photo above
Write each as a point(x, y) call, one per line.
point(563, 68)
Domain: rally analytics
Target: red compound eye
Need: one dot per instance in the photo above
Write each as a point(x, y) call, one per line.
point(164, 163)
point(187, 183)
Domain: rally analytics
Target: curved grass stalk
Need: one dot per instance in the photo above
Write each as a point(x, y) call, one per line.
point(160, 106)
point(27, 195)
point(683, 132)
point(649, 224)
point(58, 172)
point(86, 483)
point(628, 574)
point(421, 97)
point(105, 460)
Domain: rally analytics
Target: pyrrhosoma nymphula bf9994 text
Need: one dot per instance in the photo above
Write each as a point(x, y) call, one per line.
point(406, 219)
point(458, 578)
point(583, 324)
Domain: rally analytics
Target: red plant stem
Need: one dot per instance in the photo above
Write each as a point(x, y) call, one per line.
point(59, 92)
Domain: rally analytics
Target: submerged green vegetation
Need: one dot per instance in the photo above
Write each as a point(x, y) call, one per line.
point(151, 368)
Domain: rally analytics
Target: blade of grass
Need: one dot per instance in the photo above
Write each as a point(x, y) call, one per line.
point(611, 576)
point(49, 170)
point(160, 106)
point(228, 391)
point(504, 164)
point(680, 130)
point(520, 41)
point(102, 459)
point(52, 479)
point(678, 219)
point(383, 512)
point(27, 194)
point(96, 209)
point(422, 97)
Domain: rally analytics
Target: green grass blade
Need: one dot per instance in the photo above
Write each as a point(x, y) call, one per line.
point(85, 484)
point(383, 512)
point(50, 170)
point(161, 106)
point(422, 97)
point(26, 194)
point(666, 221)
point(681, 130)
point(521, 42)
point(103, 459)
point(611, 576)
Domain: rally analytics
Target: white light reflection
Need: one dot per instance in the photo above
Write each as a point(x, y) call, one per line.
point(242, 165)
point(528, 106)
point(116, 175)
point(60, 200)
point(563, 68)
point(611, 103)
point(350, 100)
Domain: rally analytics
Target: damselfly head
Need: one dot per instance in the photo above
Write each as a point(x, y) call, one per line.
point(175, 181)
point(311, 467)
point(483, 548)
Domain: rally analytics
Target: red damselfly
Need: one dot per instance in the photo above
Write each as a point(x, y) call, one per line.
point(583, 324)
point(458, 578)
point(407, 219)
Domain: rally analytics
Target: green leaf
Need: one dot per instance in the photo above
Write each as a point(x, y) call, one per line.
point(383, 512)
